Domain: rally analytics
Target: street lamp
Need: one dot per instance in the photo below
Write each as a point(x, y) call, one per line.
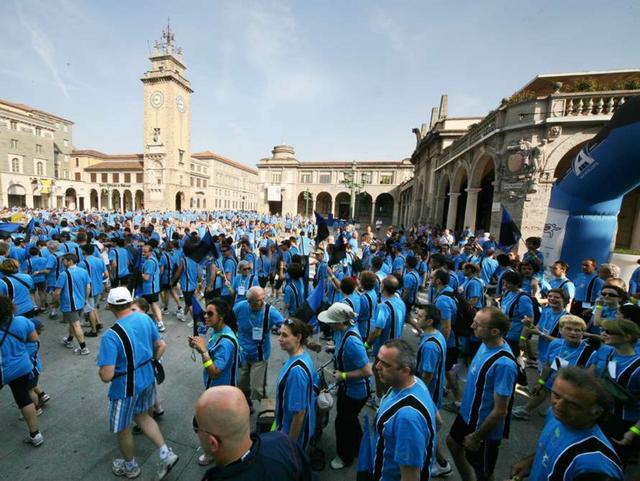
point(353, 186)
point(307, 197)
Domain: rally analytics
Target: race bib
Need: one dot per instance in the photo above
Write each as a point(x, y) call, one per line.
point(256, 334)
point(242, 290)
point(611, 367)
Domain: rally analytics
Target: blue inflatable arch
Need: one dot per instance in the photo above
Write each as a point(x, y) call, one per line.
point(585, 202)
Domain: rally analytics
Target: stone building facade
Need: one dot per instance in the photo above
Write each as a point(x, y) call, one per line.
point(39, 166)
point(465, 169)
point(368, 189)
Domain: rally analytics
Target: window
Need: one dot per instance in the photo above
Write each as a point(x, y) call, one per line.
point(192, 181)
point(65, 127)
point(139, 178)
point(39, 168)
point(77, 162)
point(38, 131)
point(199, 168)
point(366, 177)
point(77, 176)
point(181, 157)
point(66, 174)
point(38, 149)
point(193, 167)
point(93, 178)
point(198, 183)
point(14, 125)
point(305, 177)
point(342, 177)
point(14, 143)
point(324, 178)
point(56, 170)
point(386, 178)
point(276, 177)
point(15, 164)
point(104, 178)
point(204, 183)
point(116, 177)
point(127, 178)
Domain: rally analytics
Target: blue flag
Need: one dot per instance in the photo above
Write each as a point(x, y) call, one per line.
point(509, 232)
point(199, 327)
point(322, 229)
point(309, 310)
point(29, 230)
point(9, 227)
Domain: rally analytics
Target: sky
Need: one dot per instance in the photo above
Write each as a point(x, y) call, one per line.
point(336, 79)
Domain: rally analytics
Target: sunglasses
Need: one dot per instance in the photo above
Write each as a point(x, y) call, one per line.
point(246, 268)
point(208, 313)
point(609, 294)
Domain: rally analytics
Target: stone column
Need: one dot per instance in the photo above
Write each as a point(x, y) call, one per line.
point(635, 236)
point(373, 213)
point(453, 209)
point(471, 208)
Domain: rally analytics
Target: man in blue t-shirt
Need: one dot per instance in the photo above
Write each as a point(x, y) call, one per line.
point(97, 271)
point(571, 445)
point(150, 274)
point(73, 288)
point(483, 419)
point(125, 360)
point(255, 320)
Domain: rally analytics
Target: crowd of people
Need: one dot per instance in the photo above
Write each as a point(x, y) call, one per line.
point(241, 279)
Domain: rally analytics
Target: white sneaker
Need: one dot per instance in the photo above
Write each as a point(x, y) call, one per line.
point(337, 463)
point(82, 351)
point(166, 464)
point(189, 324)
point(161, 327)
point(66, 343)
point(35, 441)
point(443, 471)
point(119, 468)
point(180, 316)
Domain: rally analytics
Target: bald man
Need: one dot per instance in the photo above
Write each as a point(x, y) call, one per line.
point(222, 420)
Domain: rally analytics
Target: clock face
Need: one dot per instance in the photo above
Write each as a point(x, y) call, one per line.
point(180, 103)
point(156, 99)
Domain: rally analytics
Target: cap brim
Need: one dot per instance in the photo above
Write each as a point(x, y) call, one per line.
point(325, 319)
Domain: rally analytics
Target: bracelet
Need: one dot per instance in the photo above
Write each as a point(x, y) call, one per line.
point(366, 345)
point(523, 338)
point(344, 378)
point(599, 307)
point(542, 382)
point(206, 364)
point(635, 430)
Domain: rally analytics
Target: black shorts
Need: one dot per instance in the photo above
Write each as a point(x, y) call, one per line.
point(452, 358)
point(263, 281)
point(188, 296)
point(121, 281)
point(40, 285)
point(279, 283)
point(484, 459)
point(20, 389)
point(151, 298)
point(164, 287)
point(33, 381)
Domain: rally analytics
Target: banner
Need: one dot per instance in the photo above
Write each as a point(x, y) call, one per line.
point(274, 193)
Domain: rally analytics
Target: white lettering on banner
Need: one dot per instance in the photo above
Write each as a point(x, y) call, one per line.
point(553, 235)
point(584, 162)
point(274, 193)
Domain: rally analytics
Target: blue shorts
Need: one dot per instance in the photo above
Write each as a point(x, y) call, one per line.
point(122, 411)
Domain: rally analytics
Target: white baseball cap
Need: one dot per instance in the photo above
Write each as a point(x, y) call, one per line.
point(337, 313)
point(119, 296)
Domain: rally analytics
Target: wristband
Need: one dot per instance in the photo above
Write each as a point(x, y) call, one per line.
point(366, 345)
point(206, 364)
point(542, 382)
point(523, 338)
point(635, 430)
point(599, 307)
point(344, 378)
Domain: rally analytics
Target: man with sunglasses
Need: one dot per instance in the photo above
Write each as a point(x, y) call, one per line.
point(222, 425)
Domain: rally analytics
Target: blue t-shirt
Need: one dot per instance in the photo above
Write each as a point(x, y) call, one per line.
point(565, 284)
point(189, 275)
point(96, 269)
point(473, 287)
point(18, 287)
point(350, 355)
point(224, 350)
point(405, 431)
point(151, 267)
point(295, 393)
point(410, 285)
point(293, 294)
point(35, 264)
point(548, 324)
point(121, 257)
point(229, 266)
point(432, 354)
point(142, 333)
point(368, 312)
point(168, 264)
point(587, 288)
point(560, 354)
point(15, 359)
point(242, 284)
point(55, 268)
point(516, 305)
point(448, 311)
point(566, 453)
point(263, 266)
point(353, 300)
point(73, 282)
point(488, 267)
point(253, 331)
point(492, 371)
point(390, 318)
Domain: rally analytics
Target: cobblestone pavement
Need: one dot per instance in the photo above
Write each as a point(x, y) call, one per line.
point(78, 444)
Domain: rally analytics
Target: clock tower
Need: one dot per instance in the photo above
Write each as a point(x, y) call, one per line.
point(167, 127)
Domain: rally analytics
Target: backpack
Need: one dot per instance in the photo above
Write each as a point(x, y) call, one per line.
point(465, 313)
point(536, 307)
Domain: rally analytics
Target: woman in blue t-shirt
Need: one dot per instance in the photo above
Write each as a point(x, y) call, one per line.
point(16, 364)
point(295, 396)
